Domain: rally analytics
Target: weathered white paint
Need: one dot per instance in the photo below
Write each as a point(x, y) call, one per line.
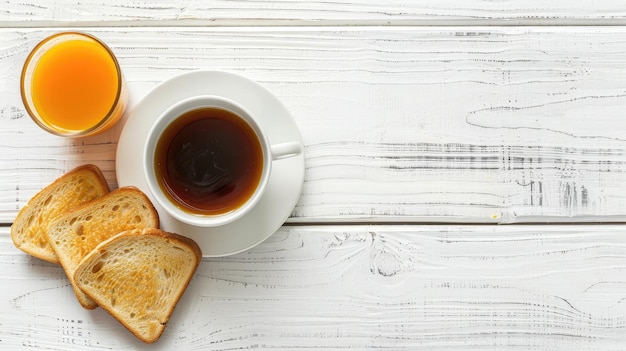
point(411, 111)
point(389, 287)
point(295, 12)
point(467, 124)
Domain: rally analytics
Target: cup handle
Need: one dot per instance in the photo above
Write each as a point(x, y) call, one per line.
point(286, 150)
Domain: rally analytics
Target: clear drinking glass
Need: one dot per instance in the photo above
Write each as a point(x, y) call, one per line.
point(72, 85)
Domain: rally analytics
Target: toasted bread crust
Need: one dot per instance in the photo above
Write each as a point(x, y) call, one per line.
point(138, 276)
point(74, 188)
point(76, 233)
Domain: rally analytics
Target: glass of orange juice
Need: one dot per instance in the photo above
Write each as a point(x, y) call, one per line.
point(72, 85)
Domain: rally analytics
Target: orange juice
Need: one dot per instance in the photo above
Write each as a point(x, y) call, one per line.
point(71, 84)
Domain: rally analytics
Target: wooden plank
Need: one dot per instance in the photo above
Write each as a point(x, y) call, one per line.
point(473, 124)
point(294, 12)
point(388, 287)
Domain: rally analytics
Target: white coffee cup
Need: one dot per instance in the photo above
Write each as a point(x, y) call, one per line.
point(175, 204)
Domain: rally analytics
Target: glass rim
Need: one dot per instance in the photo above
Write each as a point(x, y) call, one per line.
point(32, 111)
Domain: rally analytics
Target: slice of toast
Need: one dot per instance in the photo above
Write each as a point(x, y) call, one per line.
point(72, 189)
point(74, 234)
point(138, 276)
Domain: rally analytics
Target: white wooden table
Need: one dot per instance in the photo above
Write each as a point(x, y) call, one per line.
point(465, 174)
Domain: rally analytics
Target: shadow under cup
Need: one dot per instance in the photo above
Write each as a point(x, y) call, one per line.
point(207, 161)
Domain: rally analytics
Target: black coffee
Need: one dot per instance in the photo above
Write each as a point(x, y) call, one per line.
point(209, 161)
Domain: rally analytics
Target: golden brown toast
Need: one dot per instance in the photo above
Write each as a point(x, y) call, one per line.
point(74, 234)
point(74, 188)
point(138, 276)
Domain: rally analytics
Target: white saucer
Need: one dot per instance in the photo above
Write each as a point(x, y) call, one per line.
point(285, 184)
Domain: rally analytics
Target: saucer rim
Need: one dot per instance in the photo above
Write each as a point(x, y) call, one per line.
point(289, 187)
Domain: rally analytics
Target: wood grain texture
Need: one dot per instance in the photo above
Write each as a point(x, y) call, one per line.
point(360, 287)
point(297, 12)
point(407, 124)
